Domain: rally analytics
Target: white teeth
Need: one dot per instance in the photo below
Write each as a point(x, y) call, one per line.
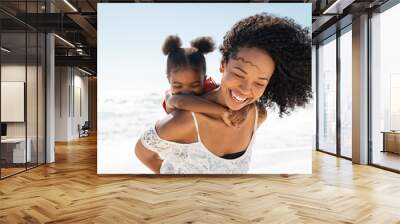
point(238, 98)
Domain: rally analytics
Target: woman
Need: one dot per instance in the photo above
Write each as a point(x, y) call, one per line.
point(266, 61)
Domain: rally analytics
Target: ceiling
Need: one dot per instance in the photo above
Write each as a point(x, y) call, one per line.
point(332, 15)
point(75, 21)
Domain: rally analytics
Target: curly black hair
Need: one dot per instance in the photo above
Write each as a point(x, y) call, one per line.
point(192, 57)
point(289, 45)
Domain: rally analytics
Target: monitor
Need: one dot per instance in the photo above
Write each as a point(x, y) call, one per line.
point(3, 129)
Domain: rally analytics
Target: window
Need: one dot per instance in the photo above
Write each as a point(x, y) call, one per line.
point(385, 89)
point(327, 96)
point(346, 93)
point(22, 68)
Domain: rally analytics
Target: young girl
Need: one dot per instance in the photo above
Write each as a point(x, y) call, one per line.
point(186, 73)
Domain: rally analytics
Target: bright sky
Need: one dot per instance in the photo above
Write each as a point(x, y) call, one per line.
point(130, 37)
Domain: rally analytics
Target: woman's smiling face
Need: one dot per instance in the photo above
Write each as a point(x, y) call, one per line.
point(245, 77)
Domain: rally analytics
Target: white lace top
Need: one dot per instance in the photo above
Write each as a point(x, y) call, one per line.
point(195, 158)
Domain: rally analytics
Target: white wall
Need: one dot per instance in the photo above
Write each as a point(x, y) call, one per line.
point(80, 89)
point(12, 101)
point(33, 126)
point(62, 81)
point(360, 90)
point(17, 73)
point(70, 83)
point(50, 94)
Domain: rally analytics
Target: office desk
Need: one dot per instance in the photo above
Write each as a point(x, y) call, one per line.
point(15, 148)
point(391, 141)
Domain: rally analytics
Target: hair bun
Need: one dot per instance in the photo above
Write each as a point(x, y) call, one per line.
point(171, 43)
point(203, 44)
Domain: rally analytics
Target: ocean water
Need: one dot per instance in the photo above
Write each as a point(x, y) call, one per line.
point(282, 145)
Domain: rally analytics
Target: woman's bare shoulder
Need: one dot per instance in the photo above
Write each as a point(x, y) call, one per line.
point(177, 126)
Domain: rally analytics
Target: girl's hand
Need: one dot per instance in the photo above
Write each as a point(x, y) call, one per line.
point(167, 96)
point(225, 116)
point(238, 117)
point(169, 107)
point(167, 99)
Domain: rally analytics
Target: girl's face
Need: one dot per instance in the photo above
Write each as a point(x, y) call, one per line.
point(187, 81)
point(245, 77)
